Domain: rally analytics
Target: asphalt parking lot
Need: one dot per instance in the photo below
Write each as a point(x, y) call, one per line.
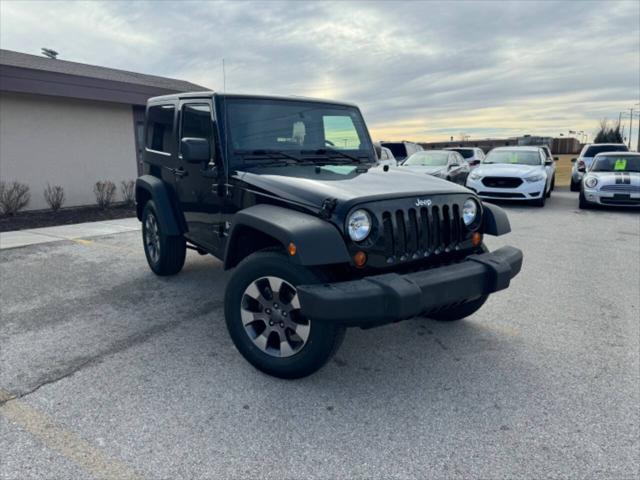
point(110, 372)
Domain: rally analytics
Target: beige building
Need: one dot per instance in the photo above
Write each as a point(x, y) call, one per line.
point(72, 124)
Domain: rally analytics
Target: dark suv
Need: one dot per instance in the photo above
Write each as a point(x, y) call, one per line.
point(287, 192)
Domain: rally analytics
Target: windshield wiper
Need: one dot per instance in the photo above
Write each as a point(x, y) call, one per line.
point(269, 153)
point(328, 151)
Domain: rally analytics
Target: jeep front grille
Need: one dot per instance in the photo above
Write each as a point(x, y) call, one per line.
point(419, 232)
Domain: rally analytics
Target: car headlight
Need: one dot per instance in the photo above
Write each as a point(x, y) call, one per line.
point(535, 178)
point(475, 176)
point(591, 182)
point(359, 225)
point(470, 211)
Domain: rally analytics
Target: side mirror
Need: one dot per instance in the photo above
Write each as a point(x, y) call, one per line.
point(195, 150)
point(582, 168)
point(548, 162)
point(573, 160)
point(555, 159)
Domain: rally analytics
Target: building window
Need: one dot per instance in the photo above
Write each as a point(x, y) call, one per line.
point(160, 127)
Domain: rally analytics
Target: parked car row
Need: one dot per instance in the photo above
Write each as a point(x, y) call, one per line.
point(604, 174)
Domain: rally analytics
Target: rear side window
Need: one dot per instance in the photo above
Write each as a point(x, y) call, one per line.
point(160, 127)
point(593, 150)
point(398, 149)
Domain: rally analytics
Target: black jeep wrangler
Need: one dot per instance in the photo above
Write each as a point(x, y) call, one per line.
point(287, 191)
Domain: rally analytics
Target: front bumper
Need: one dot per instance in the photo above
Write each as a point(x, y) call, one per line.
point(390, 297)
point(526, 191)
point(612, 198)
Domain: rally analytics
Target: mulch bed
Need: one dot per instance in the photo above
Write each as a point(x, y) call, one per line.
point(67, 216)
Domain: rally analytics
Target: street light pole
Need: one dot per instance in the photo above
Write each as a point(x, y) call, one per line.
point(630, 126)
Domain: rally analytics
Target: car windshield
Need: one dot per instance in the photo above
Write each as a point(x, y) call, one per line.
point(398, 149)
point(619, 163)
point(593, 150)
point(519, 157)
point(465, 152)
point(293, 129)
point(428, 159)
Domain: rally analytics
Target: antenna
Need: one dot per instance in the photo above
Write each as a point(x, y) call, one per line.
point(224, 78)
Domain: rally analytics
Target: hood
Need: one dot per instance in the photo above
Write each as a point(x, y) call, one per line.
point(440, 169)
point(616, 178)
point(507, 170)
point(310, 185)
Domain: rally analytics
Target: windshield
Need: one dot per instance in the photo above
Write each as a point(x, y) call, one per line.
point(519, 157)
point(465, 152)
point(613, 163)
point(295, 128)
point(593, 150)
point(399, 149)
point(428, 159)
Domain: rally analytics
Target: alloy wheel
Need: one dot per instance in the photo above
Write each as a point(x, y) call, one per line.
point(270, 312)
point(152, 237)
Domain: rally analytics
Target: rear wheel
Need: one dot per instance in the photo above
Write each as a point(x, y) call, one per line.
point(459, 312)
point(263, 316)
point(165, 253)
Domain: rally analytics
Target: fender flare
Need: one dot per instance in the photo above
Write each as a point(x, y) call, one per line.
point(150, 187)
point(494, 220)
point(318, 242)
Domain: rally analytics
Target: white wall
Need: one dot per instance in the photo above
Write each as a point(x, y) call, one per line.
point(67, 142)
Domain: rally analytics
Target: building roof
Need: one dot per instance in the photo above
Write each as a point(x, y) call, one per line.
point(22, 72)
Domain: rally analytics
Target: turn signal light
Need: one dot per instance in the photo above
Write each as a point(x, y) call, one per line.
point(292, 249)
point(360, 258)
point(476, 239)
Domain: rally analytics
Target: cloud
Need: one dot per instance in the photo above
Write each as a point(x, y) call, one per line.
point(420, 70)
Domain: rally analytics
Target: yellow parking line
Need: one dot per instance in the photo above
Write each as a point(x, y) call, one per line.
point(93, 243)
point(66, 443)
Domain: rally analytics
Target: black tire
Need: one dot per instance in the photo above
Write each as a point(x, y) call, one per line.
point(583, 203)
point(553, 179)
point(459, 312)
point(169, 260)
point(575, 186)
point(539, 202)
point(553, 183)
point(323, 339)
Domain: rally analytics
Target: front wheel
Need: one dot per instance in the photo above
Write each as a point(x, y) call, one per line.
point(539, 202)
point(165, 253)
point(263, 316)
point(583, 203)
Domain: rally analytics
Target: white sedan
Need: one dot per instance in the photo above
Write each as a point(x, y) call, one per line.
point(514, 173)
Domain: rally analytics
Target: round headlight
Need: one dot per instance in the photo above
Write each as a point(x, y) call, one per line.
point(359, 225)
point(591, 182)
point(469, 211)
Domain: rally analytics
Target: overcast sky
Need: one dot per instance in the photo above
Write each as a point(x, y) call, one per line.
point(418, 70)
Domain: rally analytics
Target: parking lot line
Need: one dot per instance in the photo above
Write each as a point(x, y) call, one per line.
point(64, 442)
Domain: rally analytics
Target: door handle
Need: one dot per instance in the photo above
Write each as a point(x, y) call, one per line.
point(180, 172)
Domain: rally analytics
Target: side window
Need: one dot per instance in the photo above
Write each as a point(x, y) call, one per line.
point(196, 121)
point(160, 127)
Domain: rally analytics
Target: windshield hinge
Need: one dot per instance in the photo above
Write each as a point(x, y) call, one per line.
point(328, 206)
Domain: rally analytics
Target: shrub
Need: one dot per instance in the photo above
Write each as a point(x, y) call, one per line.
point(128, 192)
point(54, 196)
point(14, 197)
point(104, 191)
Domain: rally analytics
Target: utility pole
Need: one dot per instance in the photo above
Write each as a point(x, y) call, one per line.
point(630, 126)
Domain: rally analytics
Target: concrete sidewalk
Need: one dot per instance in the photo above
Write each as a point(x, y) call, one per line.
point(21, 238)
